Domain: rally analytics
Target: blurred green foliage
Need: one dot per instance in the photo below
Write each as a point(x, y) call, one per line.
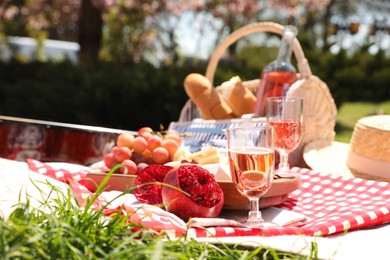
point(125, 97)
point(129, 96)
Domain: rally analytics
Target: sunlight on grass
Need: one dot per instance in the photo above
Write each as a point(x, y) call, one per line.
point(349, 113)
point(63, 229)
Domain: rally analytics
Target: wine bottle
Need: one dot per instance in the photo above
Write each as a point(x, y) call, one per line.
point(277, 76)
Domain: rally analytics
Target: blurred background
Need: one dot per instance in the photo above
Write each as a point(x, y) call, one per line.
point(121, 63)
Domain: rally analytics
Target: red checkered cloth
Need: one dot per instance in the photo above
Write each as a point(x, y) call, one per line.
point(332, 204)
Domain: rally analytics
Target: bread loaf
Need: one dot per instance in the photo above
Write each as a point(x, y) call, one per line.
point(206, 98)
point(240, 98)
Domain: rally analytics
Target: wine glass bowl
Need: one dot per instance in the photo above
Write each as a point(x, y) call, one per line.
point(251, 159)
point(285, 115)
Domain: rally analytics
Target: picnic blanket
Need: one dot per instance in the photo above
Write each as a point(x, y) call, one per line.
point(331, 203)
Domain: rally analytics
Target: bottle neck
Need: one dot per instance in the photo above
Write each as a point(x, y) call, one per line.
point(285, 50)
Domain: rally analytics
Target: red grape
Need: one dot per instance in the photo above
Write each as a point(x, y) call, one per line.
point(139, 144)
point(160, 155)
point(145, 129)
point(154, 141)
point(171, 145)
point(128, 167)
point(109, 160)
point(122, 153)
point(175, 136)
point(125, 139)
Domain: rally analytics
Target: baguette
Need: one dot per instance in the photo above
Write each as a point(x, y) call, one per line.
point(206, 98)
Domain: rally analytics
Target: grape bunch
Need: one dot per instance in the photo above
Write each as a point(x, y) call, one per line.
point(146, 148)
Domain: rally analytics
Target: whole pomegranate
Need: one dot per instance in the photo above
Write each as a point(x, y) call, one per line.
point(205, 197)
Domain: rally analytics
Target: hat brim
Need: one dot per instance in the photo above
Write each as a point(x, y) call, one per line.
point(327, 156)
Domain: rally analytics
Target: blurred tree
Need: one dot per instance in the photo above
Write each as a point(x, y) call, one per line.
point(234, 14)
point(40, 19)
point(128, 27)
point(120, 30)
point(90, 32)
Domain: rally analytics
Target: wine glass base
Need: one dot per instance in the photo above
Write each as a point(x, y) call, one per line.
point(255, 220)
point(258, 224)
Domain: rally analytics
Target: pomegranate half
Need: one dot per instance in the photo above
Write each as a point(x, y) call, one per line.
point(205, 198)
point(150, 193)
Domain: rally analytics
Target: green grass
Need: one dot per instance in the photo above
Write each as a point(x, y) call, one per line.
point(62, 229)
point(350, 113)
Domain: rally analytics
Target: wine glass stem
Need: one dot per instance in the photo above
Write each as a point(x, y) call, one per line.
point(254, 212)
point(283, 165)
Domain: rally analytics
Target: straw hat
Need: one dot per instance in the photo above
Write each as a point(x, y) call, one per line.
point(367, 156)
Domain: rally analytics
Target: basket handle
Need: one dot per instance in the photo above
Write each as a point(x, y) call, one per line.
point(303, 64)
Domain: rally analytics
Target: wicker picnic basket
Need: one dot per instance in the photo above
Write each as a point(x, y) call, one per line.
point(319, 115)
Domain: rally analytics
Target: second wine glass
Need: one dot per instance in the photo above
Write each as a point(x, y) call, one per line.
point(285, 115)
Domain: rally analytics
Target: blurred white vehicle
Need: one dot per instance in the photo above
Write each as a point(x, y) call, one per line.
point(29, 49)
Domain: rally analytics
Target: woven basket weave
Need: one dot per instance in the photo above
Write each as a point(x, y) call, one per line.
point(319, 115)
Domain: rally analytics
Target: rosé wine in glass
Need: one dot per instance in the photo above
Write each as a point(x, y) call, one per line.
point(287, 134)
point(252, 169)
point(252, 160)
point(285, 115)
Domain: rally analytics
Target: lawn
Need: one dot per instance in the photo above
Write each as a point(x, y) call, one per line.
point(349, 113)
point(61, 228)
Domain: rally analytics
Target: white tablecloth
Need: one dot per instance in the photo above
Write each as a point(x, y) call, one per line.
point(373, 243)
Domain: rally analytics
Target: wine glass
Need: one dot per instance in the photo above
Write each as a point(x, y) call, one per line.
point(251, 159)
point(285, 115)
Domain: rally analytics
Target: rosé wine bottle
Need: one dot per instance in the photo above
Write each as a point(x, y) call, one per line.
point(277, 76)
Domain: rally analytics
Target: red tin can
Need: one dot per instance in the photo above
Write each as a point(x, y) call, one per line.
point(22, 138)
